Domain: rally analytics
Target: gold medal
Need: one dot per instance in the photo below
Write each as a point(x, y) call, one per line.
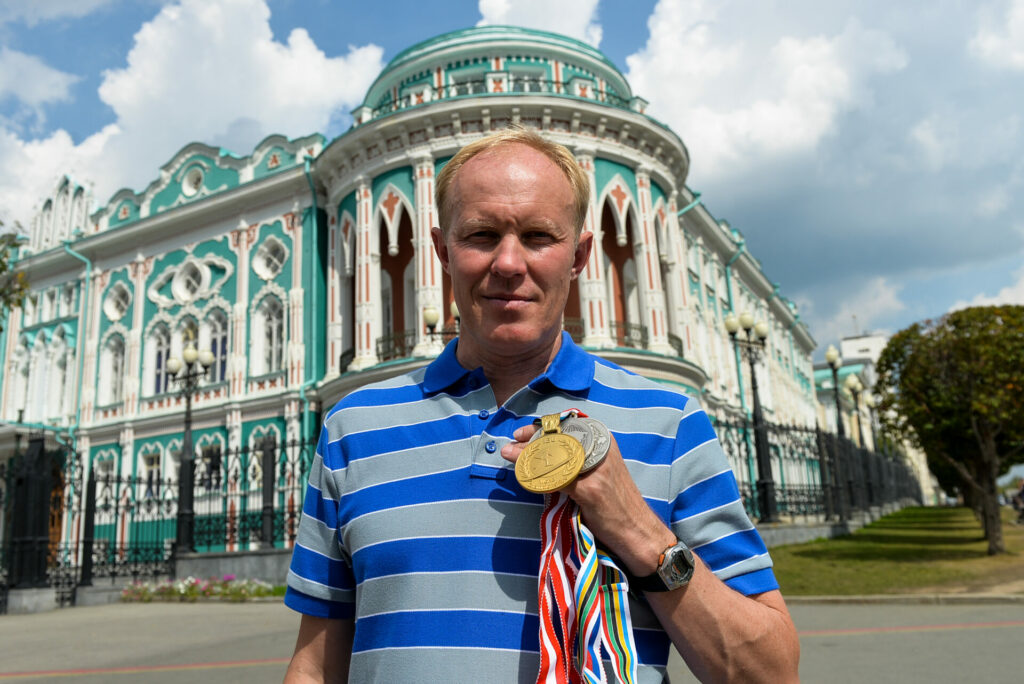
point(550, 462)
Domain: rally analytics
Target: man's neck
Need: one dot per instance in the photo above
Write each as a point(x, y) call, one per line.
point(508, 374)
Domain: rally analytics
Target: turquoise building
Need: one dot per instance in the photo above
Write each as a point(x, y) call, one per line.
point(305, 266)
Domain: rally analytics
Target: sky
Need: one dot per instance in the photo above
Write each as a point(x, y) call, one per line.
point(871, 152)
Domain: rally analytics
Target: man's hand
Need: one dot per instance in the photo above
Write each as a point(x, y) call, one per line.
point(721, 634)
point(612, 508)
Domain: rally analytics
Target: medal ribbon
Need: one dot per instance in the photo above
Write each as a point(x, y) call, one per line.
point(582, 601)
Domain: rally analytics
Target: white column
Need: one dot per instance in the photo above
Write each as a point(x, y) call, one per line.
point(593, 302)
point(295, 360)
point(135, 370)
point(648, 272)
point(675, 277)
point(429, 291)
point(335, 268)
point(241, 241)
point(88, 333)
point(12, 381)
point(367, 282)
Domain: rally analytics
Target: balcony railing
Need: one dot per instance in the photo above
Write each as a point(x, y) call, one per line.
point(631, 335)
point(426, 94)
point(676, 343)
point(574, 326)
point(396, 345)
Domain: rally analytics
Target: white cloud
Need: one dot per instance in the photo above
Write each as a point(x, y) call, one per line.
point(198, 71)
point(33, 12)
point(31, 168)
point(576, 18)
point(863, 309)
point(1011, 294)
point(735, 101)
point(937, 140)
point(1000, 36)
point(30, 80)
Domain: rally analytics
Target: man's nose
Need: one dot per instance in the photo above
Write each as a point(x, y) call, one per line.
point(509, 258)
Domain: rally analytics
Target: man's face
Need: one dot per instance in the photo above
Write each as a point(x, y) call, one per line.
point(511, 253)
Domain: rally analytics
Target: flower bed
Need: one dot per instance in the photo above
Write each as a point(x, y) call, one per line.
point(191, 589)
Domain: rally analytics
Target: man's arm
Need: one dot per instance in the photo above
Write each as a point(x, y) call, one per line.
point(322, 651)
point(721, 634)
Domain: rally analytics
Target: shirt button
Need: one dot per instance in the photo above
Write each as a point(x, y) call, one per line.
point(490, 447)
point(484, 414)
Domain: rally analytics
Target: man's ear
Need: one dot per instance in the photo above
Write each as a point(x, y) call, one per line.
point(583, 247)
point(440, 247)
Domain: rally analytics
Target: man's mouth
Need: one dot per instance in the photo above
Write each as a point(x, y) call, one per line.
point(508, 297)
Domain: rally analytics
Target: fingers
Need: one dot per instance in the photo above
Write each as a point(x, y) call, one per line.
point(511, 451)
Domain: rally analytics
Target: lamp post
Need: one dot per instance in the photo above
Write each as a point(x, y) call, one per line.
point(872, 403)
point(454, 309)
point(430, 318)
point(752, 345)
point(855, 386)
point(188, 375)
point(835, 363)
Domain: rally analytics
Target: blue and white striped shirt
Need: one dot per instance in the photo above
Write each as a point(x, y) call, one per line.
point(416, 527)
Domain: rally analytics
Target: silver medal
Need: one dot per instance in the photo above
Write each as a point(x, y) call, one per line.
point(591, 434)
point(601, 441)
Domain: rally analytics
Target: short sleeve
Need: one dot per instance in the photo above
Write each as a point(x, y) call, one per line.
point(707, 512)
point(320, 579)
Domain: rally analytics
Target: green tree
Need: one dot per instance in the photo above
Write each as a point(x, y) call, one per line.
point(13, 284)
point(954, 388)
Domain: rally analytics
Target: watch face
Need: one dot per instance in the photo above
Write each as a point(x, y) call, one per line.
point(678, 566)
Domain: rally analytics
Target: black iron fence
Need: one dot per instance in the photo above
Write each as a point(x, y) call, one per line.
point(62, 530)
point(815, 473)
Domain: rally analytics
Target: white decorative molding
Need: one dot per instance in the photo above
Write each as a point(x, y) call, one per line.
point(207, 288)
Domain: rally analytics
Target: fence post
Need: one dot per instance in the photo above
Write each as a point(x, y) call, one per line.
point(89, 531)
point(267, 454)
point(824, 469)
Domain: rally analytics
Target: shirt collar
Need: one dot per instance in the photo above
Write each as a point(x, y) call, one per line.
point(571, 370)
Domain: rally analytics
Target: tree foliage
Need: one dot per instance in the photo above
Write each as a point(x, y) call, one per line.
point(13, 284)
point(954, 387)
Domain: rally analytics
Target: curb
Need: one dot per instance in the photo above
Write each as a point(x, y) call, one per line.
point(907, 599)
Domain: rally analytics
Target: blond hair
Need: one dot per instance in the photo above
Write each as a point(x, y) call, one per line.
point(579, 184)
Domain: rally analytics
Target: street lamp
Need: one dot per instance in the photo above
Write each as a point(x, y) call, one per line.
point(752, 345)
point(835, 363)
point(188, 375)
point(454, 309)
point(430, 318)
point(871, 400)
point(855, 386)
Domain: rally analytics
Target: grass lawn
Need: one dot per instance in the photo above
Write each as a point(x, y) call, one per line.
point(917, 550)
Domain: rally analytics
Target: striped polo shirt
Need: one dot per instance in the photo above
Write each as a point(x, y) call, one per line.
point(416, 527)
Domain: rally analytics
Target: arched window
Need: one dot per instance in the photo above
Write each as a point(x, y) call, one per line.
point(267, 352)
point(217, 328)
point(112, 371)
point(160, 347)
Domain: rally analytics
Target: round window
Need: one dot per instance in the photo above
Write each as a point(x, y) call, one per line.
point(187, 282)
point(192, 182)
point(116, 303)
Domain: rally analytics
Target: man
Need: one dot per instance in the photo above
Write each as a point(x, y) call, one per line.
point(418, 552)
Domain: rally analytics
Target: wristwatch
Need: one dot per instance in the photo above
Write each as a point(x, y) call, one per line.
point(675, 568)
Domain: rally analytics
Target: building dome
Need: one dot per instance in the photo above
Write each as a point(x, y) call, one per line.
point(472, 53)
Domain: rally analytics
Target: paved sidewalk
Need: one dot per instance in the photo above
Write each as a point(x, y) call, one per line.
point(174, 643)
point(163, 643)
